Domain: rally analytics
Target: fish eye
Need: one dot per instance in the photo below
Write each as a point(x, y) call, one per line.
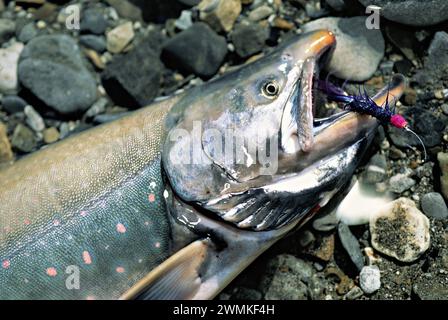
point(271, 89)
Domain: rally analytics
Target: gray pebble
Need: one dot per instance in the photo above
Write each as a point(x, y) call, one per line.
point(399, 183)
point(28, 32)
point(69, 87)
point(412, 12)
point(97, 108)
point(354, 293)
point(249, 39)
point(13, 104)
point(370, 279)
point(97, 43)
point(23, 139)
point(184, 21)
point(7, 30)
point(434, 206)
point(351, 245)
point(34, 119)
point(437, 57)
point(358, 50)
point(376, 169)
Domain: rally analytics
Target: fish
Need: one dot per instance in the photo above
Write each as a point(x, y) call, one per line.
point(156, 205)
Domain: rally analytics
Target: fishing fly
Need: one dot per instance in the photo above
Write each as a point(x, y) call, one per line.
point(363, 104)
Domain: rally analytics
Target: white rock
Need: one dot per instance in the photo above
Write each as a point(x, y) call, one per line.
point(370, 279)
point(400, 230)
point(119, 37)
point(9, 59)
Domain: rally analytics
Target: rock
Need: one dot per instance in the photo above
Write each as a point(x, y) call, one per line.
point(28, 32)
point(354, 293)
point(412, 12)
point(13, 104)
point(220, 14)
point(97, 43)
point(434, 206)
point(184, 21)
point(9, 58)
point(33, 119)
point(23, 139)
point(376, 169)
point(197, 50)
point(286, 278)
point(247, 294)
point(399, 183)
point(97, 108)
point(126, 9)
point(323, 249)
point(190, 3)
point(93, 21)
point(7, 30)
point(400, 230)
point(338, 5)
point(370, 279)
point(444, 108)
point(119, 37)
point(249, 39)
point(424, 123)
point(132, 80)
point(351, 245)
point(352, 38)
point(260, 13)
point(69, 87)
point(443, 164)
point(436, 65)
point(51, 135)
point(436, 289)
point(6, 154)
point(306, 238)
point(326, 222)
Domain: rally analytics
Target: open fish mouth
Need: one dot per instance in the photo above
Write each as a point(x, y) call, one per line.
point(317, 157)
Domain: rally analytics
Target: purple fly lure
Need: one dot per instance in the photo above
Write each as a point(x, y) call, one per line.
point(363, 104)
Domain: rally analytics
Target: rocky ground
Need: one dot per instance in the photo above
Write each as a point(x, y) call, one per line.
point(58, 78)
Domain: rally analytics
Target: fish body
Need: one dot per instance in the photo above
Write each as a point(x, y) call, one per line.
point(125, 210)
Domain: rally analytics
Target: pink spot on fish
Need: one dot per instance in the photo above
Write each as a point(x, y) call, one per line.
point(86, 257)
point(27, 222)
point(152, 197)
point(52, 272)
point(157, 244)
point(90, 298)
point(6, 264)
point(56, 223)
point(119, 269)
point(83, 213)
point(121, 228)
point(146, 223)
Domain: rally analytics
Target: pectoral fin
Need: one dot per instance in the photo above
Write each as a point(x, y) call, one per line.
point(175, 279)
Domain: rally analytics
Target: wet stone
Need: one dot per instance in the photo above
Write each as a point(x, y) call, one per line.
point(197, 50)
point(249, 39)
point(7, 30)
point(220, 14)
point(376, 169)
point(434, 206)
point(351, 245)
point(9, 58)
point(435, 67)
point(354, 293)
point(51, 135)
point(352, 37)
point(97, 43)
point(34, 119)
point(28, 32)
point(243, 293)
point(69, 87)
point(13, 104)
point(93, 21)
point(286, 278)
point(119, 37)
point(23, 139)
point(399, 183)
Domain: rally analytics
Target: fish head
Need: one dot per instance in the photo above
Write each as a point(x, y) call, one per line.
point(247, 148)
